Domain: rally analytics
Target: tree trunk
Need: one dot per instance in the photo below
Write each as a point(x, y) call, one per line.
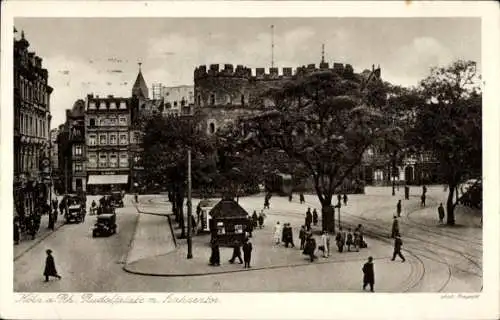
point(328, 215)
point(450, 208)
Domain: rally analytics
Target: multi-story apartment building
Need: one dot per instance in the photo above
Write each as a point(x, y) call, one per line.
point(107, 122)
point(71, 150)
point(31, 129)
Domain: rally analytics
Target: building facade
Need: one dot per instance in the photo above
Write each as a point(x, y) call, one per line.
point(31, 130)
point(175, 99)
point(107, 123)
point(54, 153)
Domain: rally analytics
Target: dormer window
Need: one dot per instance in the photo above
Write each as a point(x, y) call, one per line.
point(123, 105)
point(92, 105)
point(112, 105)
point(102, 105)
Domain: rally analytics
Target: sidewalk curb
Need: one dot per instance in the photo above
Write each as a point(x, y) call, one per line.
point(37, 241)
point(305, 264)
point(132, 238)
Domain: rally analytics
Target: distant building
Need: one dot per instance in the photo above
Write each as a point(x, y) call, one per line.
point(108, 138)
point(177, 100)
point(31, 130)
point(54, 154)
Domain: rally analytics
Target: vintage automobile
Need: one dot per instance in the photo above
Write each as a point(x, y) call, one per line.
point(75, 213)
point(105, 225)
point(116, 199)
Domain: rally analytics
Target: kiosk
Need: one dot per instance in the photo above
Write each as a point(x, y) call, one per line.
point(229, 222)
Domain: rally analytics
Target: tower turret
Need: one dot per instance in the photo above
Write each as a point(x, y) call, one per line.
point(140, 89)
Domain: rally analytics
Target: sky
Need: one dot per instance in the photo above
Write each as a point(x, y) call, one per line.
point(101, 55)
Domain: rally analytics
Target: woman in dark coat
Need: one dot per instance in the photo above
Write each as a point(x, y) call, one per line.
point(50, 267)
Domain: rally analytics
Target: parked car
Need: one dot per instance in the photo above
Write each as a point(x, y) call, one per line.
point(75, 213)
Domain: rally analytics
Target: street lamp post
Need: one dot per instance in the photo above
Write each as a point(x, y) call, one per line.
point(189, 217)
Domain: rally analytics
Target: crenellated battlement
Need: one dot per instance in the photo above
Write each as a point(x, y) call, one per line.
point(242, 72)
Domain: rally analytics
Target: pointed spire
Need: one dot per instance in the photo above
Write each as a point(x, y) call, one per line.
point(140, 89)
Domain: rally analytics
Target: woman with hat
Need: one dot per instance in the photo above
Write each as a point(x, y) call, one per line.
point(50, 267)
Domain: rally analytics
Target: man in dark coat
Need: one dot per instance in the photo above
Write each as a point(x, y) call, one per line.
point(247, 253)
point(441, 213)
point(16, 231)
point(368, 274)
point(50, 267)
point(398, 208)
point(395, 227)
point(288, 235)
point(302, 199)
point(290, 197)
point(255, 219)
point(302, 237)
point(215, 256)
point(308, 219)
point(236, 252)
point(345, 199)
point(422, 200)
point(398, 243)
point(315, 217)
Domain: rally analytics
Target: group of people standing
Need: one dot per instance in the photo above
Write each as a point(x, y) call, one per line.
point(350, 239)
point(237, 248)
point(31, 224)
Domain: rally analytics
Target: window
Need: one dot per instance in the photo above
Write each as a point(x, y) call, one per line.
point(122, 121)
point(112, 122)
point(102, 139)
point(211, 128)
point(22, 123)
point(92, 160)
point(103, 161)
point(123, 105)
point(92, 122)
point(102, 105)
point(212, 99)
point(242, 99)
point(92, 105)
point(123, 160)
point(113, 161)
point(112, 105)
point(112, 139)
point(175, 104)
point(77, 150)
point(77, 166)
point(123, 138)
point(36, 128)
point(136, 137)
point(92, 140)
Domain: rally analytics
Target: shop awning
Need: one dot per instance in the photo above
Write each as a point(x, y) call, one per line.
point(108, 179)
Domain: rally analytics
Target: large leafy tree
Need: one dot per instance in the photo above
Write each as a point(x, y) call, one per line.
point(165, 142)
point(323, 120)
point(448, 124)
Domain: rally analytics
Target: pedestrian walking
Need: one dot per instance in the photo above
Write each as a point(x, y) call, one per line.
point(422, 200)
point(339, 199)
point(339, 241)
point(424, 189)
point(368, 274)
point(288, 235)
point(266, 203)
point(349, 239)
point(325, 243)
point(236, 252)
point(255, 219)
point(250, 226)
point(302, 199)
point(398, 208)
point(16, 231)
point(51, 221)
point(261, 219)
point(215, 255)
point(398, 243)
point(315, 217)
point(309, 218)
point(310, 247)
point(362, 243)
point(356, 241)
point(290, 197)
point(441, 213)
point(277, 233)
point(247, 253)
point(395, 227)
point(345, 199)
point(302, 237)
point(136, 198)
point(50, 267)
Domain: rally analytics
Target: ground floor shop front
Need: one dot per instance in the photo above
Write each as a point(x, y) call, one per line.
point(106, 183)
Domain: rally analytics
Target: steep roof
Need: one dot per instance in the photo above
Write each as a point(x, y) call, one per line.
point(140, 89)
point(228, 209)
